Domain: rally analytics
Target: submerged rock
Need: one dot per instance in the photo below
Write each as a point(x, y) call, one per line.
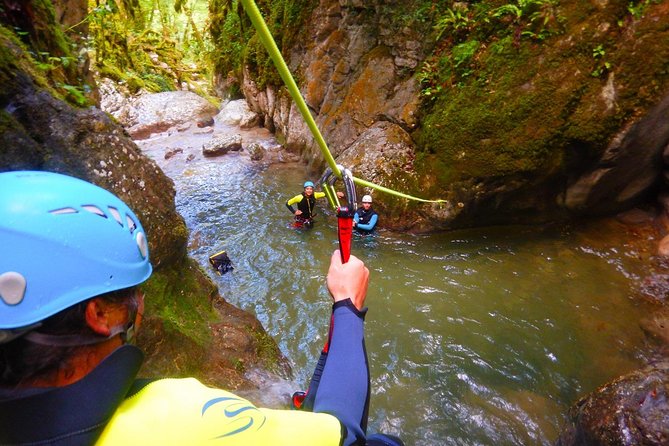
point(256, 151)
point(656, 326)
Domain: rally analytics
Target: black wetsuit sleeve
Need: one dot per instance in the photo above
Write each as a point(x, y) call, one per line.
point(295, 200)
point(344, 388)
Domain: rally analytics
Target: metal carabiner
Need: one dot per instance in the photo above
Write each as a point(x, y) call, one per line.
point(346, 212)
point(327, 183)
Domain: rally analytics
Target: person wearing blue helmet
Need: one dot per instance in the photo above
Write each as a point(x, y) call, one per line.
point(73, 256)
point(306, 203)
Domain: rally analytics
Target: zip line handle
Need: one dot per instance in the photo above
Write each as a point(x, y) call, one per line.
point(345, 211)
point(345, 214)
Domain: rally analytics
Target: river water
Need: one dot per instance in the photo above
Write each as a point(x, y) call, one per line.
point(479, 337)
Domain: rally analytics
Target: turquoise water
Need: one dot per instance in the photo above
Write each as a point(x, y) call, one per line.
point(481, 337)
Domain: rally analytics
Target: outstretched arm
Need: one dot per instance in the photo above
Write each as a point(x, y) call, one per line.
point(343, 390)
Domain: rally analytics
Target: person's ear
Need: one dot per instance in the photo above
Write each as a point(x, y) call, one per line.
point(97, 318)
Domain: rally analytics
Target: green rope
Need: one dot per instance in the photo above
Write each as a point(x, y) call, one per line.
point(268, 41)
point(394, 192)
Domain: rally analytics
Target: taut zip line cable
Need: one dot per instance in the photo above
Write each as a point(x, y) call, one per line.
point(270, 45)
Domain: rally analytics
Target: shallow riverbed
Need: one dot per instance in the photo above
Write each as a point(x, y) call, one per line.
point(480, 337)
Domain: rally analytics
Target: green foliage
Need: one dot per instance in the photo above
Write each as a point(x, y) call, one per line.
point(75, 94)
point(54, 58)
point(153, 45)
point(229, 35)
point(156, 83)
point(601, 65)
point(532, 17)
point(464, 30)
point(638, 8)
point(453, 21)
point(235, 38)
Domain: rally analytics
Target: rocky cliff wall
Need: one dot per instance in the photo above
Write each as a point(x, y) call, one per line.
point(540, 130)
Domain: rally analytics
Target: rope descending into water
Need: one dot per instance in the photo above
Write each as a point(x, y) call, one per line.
point(270, 45)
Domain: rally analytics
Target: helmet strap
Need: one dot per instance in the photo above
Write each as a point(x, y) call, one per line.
point(9, 334)
point(126, 331)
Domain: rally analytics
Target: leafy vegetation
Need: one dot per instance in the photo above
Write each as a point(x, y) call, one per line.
point(507, 94)
point(54, 59)
point(602, 66)
point(155, 45)
point(638, 8)
point(464, 31)
point(236, 42)
point(150, 44)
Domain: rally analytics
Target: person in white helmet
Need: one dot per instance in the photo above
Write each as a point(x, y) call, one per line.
point(365, 218)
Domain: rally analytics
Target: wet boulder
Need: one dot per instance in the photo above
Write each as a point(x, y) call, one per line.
point(384, 154)
point(632, 410)
point(256, 151)
point(221, 145)
point(237, 113)
point(145, 114)
point(655, 287)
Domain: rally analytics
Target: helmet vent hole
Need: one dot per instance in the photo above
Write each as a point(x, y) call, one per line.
point(94, 210)
point(116, 214)
point(63, 211)
point(131, 223)
point(142, 244)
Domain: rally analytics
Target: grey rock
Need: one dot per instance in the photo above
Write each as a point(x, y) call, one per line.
point(221, 145)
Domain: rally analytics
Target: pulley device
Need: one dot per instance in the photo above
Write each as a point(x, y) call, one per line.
point(345, 211)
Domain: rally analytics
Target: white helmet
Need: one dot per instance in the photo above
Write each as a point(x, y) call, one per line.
point(367, 199)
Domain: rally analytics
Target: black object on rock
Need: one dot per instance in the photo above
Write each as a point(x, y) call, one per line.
point(221, 262)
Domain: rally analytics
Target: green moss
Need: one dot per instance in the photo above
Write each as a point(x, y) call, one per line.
point(267, 350)
point(238, 365)
point(182, 301)
point(534, 108)
point(16, 57)
point(237, 44)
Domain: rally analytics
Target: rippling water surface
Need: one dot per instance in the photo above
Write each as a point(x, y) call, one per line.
point(479, 337)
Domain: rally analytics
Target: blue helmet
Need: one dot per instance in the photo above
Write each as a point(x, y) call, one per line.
point(308, 184)
point(63, 241)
